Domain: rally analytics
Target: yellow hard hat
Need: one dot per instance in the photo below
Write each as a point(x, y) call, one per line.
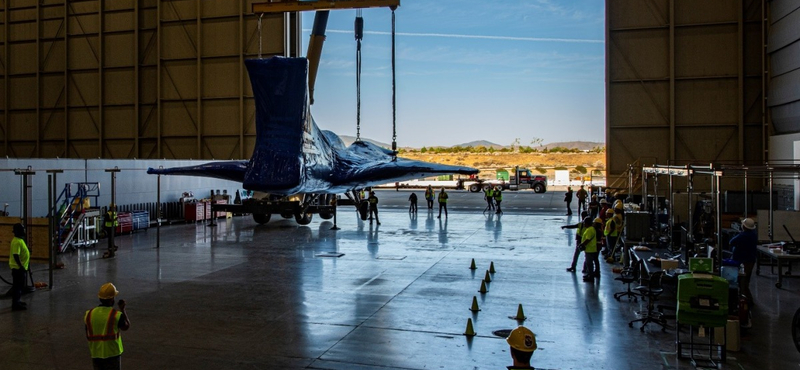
point(112, 205)
point(619, 205)
point(522, 339)
point(598, 220)
point(609, 212)
point(107, 291)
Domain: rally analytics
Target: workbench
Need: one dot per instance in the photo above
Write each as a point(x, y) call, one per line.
point(775, 253)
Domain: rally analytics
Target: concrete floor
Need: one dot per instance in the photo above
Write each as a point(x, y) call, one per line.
point(243, 296)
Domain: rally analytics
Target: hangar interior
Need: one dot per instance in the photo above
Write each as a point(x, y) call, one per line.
point(90, 86)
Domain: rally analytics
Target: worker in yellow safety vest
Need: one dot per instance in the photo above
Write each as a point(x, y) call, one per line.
point(373, 207)
point(498, 197)
point(103, 325)
point(110, 226)
point(589, 245)
point(613, 231)
point(443, 203)
point(488, 194)
point(522, 343)
point(429, 196)
point(19, 261)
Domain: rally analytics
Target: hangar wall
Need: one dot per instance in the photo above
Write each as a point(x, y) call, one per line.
point(684, 83)
point(784, 56)
point(131, 78)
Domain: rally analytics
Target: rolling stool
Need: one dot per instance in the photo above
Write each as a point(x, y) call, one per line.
point(652, 290)
point(627, 276)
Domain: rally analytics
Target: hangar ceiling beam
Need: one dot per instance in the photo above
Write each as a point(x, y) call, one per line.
point(301, 6)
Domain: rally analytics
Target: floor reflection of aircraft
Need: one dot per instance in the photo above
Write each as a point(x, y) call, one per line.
point(296, 165)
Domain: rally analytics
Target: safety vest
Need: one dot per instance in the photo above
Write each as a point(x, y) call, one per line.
point(443, 197)
point(111, 219)
point(498, 195)
point(19, 247)
point(590, 234)
point(102, 331)
point(428, 193)
point(581, 229)
point(488, 193)
point(373, 201)
point(613, 227)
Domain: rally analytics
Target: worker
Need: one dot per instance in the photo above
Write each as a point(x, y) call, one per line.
point(582, 195)
point(498, 198)
point(612, 232)
point(103, 325)
point(110, 226)
point(442, 203)
point(412, 199)
point(603, 211)
point(594, 207)
point(568, 200)
point(19, 261)
point(373, 207)
point(745, 252)
point(429, 196)
point(522, 343)
point(488, 195)
point(589, 245)
point(578, 237)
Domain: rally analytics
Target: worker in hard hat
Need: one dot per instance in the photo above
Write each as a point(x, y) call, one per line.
point(443, 203)
point(589, 245)
point(498, 198)
point(373, 207)
point(19, 262)
point(612, 231)
point(110, 225)
point(578, 237)
point(745, 252)
point(103, 325)
point(522, 343)
point(429, 196)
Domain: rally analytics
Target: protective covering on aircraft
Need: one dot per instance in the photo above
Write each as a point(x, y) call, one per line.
point(292, 155)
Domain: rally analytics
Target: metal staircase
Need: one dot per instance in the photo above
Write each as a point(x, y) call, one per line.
point(77, 223)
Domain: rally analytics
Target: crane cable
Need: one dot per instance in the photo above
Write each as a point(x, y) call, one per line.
point(359, 32)
point(394, 95)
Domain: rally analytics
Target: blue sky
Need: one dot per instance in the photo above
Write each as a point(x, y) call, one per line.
point(468, 70)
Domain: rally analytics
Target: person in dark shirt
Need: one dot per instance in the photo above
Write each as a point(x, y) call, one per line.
point(412, 207)
point(745, 252)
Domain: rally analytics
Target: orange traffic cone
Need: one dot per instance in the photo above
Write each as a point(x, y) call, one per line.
point(520, 314)
point(470, 332)
point(483, 287)
point(487, 278)
point(472, 265)
point(491, 267)
point(474, 307)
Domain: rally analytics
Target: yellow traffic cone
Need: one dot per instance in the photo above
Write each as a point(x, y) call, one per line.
point(491, 267)
point(472, 265)
point(520, 314)
point(470, 332)
point(483, 287)
point(488, 278)
point(474, 307)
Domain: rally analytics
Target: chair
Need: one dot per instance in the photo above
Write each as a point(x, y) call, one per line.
point(652, 290)
point(628, 276)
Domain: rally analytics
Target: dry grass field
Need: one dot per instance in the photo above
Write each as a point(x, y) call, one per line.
point(489, 162)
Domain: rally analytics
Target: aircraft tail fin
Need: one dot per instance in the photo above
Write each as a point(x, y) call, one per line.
point(281, 100)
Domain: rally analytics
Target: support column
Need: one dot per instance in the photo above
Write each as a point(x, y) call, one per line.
point(52, 196)
point(112, 208)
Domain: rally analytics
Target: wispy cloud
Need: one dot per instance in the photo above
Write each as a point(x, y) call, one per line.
point(482, 37)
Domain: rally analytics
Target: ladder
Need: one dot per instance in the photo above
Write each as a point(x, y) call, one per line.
point(73, 219)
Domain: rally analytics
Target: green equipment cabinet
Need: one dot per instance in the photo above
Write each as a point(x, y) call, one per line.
point(702, 300)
